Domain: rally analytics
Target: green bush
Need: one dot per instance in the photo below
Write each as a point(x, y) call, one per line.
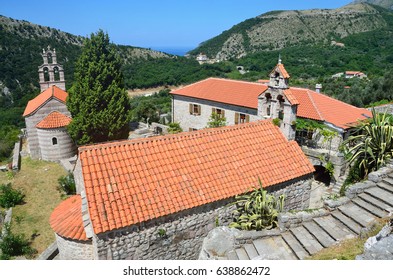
point(10, 197)
point(257, 210)
point(67, 183)
point(14, 245)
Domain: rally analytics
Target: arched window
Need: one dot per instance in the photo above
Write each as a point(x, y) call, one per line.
point(54, 141)
point(46, 74)
point(50, 59)
point(56, 73)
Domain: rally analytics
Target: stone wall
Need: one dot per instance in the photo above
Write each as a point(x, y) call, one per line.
point(384, 108)
point(180, 236)
point(70, 249)
point(181, 112)
point(174, 237)
point(64, 147)
point(297, 193)
point(32, 120)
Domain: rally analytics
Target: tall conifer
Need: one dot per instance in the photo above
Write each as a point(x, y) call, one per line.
point(98, 102)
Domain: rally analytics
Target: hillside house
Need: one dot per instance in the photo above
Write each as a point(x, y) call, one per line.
point(47, 116)
point(354, 74)
point(157, 198)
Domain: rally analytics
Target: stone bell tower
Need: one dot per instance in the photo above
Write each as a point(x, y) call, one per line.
point(277, 102)
point(50, 72)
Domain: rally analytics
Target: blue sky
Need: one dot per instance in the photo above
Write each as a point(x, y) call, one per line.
point(151, 23)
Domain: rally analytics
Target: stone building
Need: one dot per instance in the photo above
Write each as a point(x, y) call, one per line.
point(46, 117)
point(241, 101)
point(157, 198)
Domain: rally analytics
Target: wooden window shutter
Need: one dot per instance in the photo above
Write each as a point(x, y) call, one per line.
point(236, 118)
point(199, 110)
point(213, 110)
point(222, 113)
point(247, 118)
point(190, 108)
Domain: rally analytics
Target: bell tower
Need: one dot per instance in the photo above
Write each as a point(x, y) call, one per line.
point(50, 72)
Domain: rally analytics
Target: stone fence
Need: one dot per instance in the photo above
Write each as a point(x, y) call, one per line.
point(16, 158)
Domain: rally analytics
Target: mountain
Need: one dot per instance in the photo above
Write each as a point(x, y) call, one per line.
point(281, 29)
point(387, 4)
point(21, 44)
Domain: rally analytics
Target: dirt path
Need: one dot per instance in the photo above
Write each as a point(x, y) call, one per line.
point(147, 91)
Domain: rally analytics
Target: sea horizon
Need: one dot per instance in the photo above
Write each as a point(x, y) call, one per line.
point(180, 51)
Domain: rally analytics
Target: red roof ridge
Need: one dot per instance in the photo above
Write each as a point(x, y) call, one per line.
point(184, 134)
point(313, 103)
point(43, 97)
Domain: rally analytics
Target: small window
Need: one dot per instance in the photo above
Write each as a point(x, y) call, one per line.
point(54, 141)
point(268, 110)
point(192, 129)
point(195, 109)
point(219, 112)
point(241, 118)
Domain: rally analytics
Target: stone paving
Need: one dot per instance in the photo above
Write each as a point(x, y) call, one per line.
point(346, 221)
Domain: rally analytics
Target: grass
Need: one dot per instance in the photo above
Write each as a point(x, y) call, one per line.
point(38, 181)
point(350, 248)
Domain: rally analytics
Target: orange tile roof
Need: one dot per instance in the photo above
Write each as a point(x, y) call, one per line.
point(43, 97)
point(227, 91)
point(66, 219)
point(321, 107)
point(283, 71)
point(133, 181)
point(54, 120)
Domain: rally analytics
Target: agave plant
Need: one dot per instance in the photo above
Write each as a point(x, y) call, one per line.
point(373, 146)
point(257, 210)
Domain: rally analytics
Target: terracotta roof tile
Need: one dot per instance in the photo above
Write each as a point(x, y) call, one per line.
point(283, 71)
point(54, 120)
point(318, 106)
point(43, 97)
point(192, 169)
point(225, 91)
point(66, 219)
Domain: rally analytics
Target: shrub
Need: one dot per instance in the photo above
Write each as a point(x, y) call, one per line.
point(174, 128)
point(10, 197)
point(14, 245)
point(257, 210)
point(67, 183)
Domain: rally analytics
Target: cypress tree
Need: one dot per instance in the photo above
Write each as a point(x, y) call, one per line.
point(98, 102)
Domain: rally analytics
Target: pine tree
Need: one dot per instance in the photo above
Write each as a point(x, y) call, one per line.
point(98, 102)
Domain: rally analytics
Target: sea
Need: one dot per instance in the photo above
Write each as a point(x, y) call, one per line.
point(180, 51)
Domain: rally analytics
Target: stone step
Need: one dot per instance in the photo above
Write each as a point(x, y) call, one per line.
point(348, 222)
point(251, 251)
point(242, 254)
point(337, 230)
point(273, 248)
point(307, 240)
point(376, 211)
point(385, 186)
point(381, 194)
point(294, 244)
point(232, 255)
point(358, 214)
point(323, 238)
point(388, 180)
point(376, 202)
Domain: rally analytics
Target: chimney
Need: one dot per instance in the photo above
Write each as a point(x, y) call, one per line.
point(318, 88)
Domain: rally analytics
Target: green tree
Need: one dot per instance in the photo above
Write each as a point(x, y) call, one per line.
point(216, 120)
point(97, 101)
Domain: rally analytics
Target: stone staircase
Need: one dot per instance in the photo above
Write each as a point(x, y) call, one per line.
point(346, 221)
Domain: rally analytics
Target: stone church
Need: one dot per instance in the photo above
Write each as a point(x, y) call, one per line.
point(47, 116)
